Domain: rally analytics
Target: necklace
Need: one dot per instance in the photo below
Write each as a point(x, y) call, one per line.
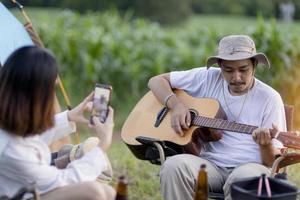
point(236, 118)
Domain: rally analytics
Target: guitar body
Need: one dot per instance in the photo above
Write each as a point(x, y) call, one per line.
point(141, 120)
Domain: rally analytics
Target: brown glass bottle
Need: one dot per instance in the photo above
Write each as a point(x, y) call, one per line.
point(201, 192)
point(122, 188)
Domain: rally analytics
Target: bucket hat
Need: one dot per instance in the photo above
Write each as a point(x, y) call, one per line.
point(237, 47)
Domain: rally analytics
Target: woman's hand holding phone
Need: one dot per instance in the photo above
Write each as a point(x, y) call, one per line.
point(77, 113)
point(101, 119)
point(102, 115)
point(104, 130)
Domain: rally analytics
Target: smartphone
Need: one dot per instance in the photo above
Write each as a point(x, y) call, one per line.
point(101, 102)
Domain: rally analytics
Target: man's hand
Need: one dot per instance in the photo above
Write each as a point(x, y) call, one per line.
point(262, 136)
point(77, 113)
point(180, 117)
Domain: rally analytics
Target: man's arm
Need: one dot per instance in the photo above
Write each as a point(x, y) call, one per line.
point(263, 138)
point(161, 87)
point(268, 153)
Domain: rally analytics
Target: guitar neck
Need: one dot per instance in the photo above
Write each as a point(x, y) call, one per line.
point(222, 124)
point(288, 139)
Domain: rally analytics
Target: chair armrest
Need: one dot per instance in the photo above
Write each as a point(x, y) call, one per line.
point(285, 160)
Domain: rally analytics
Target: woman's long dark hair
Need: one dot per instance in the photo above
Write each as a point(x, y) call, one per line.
point(27, 84)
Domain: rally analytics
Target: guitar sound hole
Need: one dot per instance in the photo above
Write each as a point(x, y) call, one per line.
point(193, 113)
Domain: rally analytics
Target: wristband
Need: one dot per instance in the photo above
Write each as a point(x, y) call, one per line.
point(167, 99)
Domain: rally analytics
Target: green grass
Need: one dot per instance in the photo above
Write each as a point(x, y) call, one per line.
point(293, 172)
point(142, 175)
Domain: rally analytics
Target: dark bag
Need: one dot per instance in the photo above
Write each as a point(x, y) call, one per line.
point(257, 188)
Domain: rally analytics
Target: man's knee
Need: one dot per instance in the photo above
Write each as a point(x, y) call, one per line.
point(244, 171)
point(247, 170)
point(174, 165)
point(250, 170)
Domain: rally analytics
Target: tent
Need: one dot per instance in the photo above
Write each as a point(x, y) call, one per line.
point(13, 37)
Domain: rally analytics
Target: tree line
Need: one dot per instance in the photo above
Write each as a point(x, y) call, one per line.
point(170, 11)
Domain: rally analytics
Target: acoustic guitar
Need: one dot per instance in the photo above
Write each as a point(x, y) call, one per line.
point(150, 121)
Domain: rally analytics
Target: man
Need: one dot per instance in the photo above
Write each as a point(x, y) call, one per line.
point(244, 99)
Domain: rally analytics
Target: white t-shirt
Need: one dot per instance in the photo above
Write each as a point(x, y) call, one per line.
point(261, 107)
point(27, 160)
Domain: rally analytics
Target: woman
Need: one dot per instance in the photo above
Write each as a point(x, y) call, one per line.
point(28, 125)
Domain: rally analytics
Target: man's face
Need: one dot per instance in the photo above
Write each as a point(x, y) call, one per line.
point(238, 74)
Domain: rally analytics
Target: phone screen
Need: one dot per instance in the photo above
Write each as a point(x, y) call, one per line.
point(101, 101)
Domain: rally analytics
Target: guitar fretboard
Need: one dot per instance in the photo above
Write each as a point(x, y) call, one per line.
point(223, 125)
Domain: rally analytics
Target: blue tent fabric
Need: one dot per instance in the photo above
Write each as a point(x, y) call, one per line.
point(12, 34)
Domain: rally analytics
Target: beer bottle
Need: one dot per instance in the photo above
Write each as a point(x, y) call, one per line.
point(122, 188)
point(201, 192)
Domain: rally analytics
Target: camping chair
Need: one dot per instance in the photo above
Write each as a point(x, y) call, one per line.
point(287, 158)
point(281, 162)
